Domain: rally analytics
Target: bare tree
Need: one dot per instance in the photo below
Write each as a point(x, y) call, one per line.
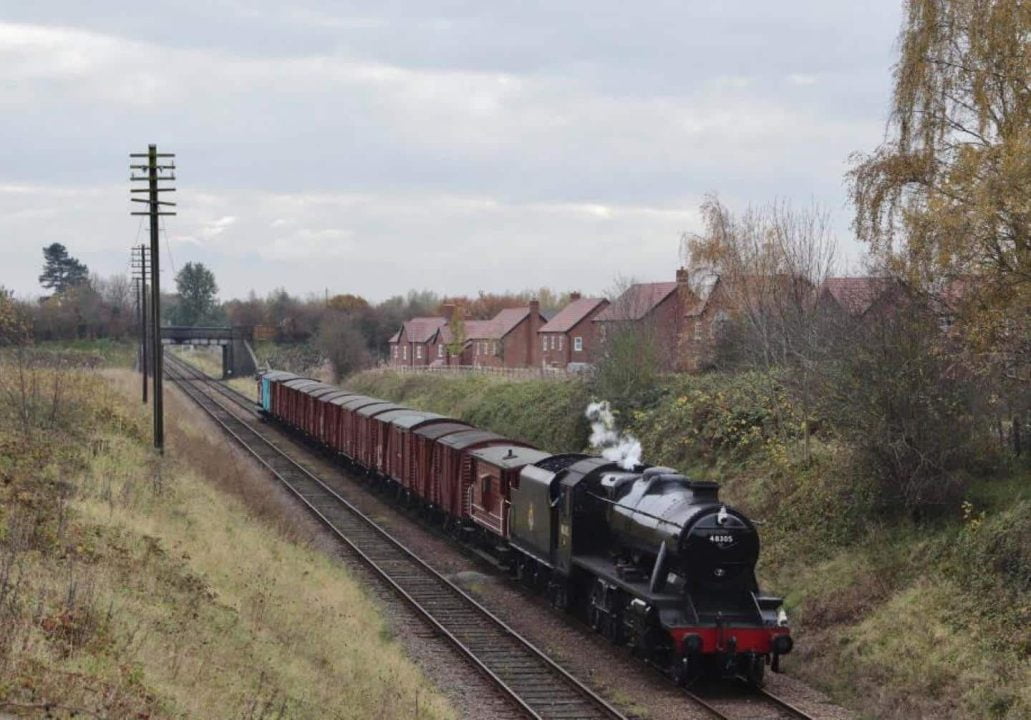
point(769, 264)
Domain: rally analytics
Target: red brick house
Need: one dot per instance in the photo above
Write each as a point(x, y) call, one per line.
point(421, 341)
point(571, 336)
point(509, 339)
point(856, 297)
point(718, 302)
point(652, 310)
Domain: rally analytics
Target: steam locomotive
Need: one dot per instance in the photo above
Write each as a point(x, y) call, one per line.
point(650, 558)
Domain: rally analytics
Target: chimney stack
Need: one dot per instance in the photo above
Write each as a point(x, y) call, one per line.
point(574, 296)
point(448, 311)
point(533, 325)
point(683, 275)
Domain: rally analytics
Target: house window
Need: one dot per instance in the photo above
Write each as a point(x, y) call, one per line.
point(560, 342)
point(395, 350)
point(418, 352)
point(440, 351)
point(404, 353)
point(544, 342)
point(719, 324)
point(698, 330)
point(578, 344)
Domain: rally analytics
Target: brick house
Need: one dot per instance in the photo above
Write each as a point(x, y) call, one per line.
point(718, 303)
point(571, 336)
point(418, 342)
point(856, 297)
point(652, 311)
point(509, 339)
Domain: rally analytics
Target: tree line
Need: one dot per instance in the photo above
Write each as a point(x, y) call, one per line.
point(345, 328)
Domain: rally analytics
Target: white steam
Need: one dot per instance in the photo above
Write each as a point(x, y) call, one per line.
point(608, 440)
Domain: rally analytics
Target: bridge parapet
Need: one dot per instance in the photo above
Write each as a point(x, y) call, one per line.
point(237, 356)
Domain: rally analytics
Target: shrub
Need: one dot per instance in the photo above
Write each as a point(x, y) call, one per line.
point(895, 395)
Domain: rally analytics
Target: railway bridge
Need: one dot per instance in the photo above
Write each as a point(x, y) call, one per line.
point(237, 354)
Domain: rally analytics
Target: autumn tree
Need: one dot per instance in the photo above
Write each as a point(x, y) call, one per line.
point(14, 328)
point(60, 270)
point(946, 199)
point(197, 290)
point(457, 327)
point(347, 302)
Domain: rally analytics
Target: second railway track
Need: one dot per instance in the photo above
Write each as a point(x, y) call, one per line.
point(537, 684)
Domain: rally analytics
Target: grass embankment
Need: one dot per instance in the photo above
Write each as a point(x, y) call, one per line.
point(547, 413)
point(893, 617)
point(138, 586)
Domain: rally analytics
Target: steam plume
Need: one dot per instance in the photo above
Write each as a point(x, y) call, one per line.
point(614, 445)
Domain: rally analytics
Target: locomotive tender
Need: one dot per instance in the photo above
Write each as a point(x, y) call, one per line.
point(650, 558)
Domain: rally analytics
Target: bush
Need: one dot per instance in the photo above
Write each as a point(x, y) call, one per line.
point(896, 396)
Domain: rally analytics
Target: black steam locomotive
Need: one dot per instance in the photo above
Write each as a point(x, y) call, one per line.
point(657, 561)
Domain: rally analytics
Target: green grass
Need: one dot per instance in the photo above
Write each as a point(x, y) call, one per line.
point(548, 414)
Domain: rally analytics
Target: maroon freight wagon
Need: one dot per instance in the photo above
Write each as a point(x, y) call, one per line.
point(325, 415)
point(379, 433)
point(452, 482)
point(294, 405)
point(312, 403)
point(424, 452)
point(348, 426)
point(495, 471)
point(400, 464)
point(368, 436)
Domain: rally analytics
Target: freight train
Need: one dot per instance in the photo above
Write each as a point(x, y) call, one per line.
point(650, 558)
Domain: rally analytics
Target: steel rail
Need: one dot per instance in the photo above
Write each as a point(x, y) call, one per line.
point(235, 395)
point(537, 684)
point(785, 705)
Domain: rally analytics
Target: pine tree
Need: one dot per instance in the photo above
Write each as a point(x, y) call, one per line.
point(60, 270)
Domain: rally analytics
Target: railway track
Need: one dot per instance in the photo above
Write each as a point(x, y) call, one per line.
point(536, 683)
point(539, 686)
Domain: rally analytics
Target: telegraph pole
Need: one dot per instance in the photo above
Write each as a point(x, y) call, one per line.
point(159, 168)
point(140, 266)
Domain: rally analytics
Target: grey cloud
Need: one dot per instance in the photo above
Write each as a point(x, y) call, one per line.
point(400, 111)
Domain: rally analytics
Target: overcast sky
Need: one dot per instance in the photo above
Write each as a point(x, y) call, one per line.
point(376, 147)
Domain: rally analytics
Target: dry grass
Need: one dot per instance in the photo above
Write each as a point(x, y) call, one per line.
point(207, 358)
point(174, 587)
